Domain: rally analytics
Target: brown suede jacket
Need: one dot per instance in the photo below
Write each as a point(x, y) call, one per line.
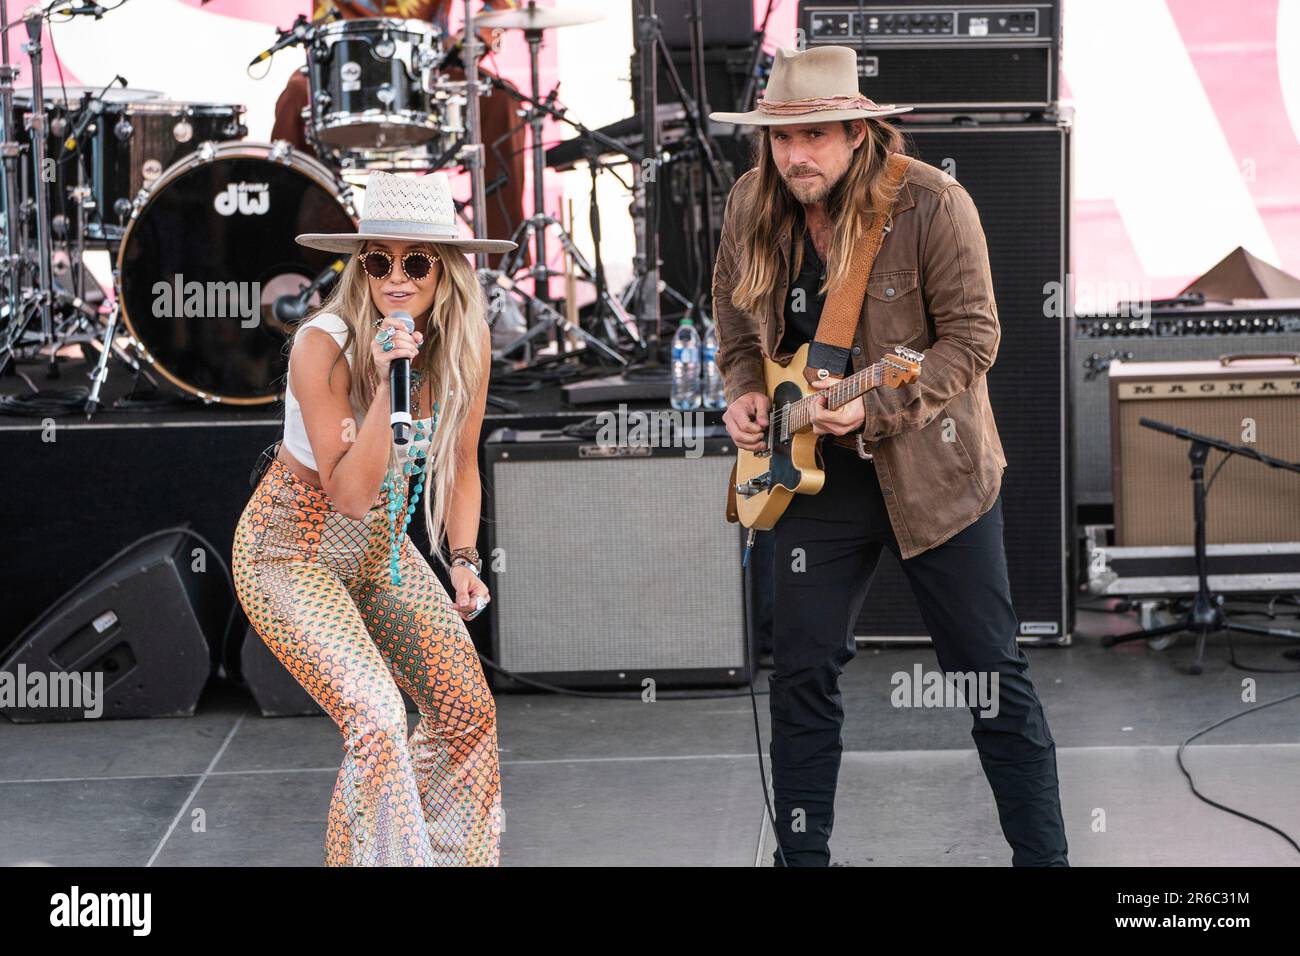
point(937, 453)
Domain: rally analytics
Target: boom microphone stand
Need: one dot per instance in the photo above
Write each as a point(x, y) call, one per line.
point(1206, 615)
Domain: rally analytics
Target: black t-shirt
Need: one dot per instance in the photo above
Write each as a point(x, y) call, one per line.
point(803, 304)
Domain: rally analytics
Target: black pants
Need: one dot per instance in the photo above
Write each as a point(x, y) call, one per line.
point(962, 589)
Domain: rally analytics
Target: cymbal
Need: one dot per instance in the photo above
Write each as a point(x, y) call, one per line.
point(536, 18)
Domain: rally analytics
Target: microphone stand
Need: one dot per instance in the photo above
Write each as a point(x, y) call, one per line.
point(473, 154)
point(648, 176)
point(36, 125)
point(747, 95)
point(1206, 615)
point(606, 304)
point(10, 150)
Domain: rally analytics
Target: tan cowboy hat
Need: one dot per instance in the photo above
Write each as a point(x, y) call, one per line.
point(405, 209)
point(817, 85)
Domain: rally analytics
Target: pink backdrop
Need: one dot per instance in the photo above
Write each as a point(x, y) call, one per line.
point(1234, 52)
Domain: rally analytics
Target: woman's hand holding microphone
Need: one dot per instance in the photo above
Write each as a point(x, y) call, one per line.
point(405, 345)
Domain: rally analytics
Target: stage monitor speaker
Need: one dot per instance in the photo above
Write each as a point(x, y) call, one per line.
point(1018, 175)
point(614, 563)
point(148, 622)
point(1201, 332)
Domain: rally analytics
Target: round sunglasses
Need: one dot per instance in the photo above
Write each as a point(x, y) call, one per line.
point(416, 265)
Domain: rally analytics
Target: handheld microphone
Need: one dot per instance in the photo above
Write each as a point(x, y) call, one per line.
point(399, 388)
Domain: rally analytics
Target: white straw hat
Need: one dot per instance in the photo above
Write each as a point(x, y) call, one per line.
point(405, 209)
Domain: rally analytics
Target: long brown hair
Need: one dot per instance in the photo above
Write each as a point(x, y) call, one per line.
point(451, 359)
point(775, 212)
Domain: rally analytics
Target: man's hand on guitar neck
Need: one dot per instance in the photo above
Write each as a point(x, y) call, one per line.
point(840, 421)
point(746, 420)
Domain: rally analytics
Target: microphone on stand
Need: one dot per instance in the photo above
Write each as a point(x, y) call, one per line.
point(85, 9)
point(294, 306)
point(399, 388)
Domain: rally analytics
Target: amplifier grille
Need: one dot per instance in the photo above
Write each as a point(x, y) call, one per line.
point(616, 564)
point(1248, 503)
point(1016, 76)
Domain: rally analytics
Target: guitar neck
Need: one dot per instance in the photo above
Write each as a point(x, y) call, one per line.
point(799, 415)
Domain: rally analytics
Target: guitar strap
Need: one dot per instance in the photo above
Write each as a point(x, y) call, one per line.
point(830, 348)
point(828, 353)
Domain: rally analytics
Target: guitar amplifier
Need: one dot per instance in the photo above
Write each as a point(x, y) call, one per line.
point(957, 56)
point(1198, 332)
point(611, 563)
point(1019, 175)
point(1250, 401)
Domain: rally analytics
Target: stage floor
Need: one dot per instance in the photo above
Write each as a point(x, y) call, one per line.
point(614, 783)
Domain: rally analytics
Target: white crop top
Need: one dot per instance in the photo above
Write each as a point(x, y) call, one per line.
point(295, 432)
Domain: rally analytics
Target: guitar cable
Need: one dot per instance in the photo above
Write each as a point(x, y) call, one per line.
point(751, 653)
point(751, 659)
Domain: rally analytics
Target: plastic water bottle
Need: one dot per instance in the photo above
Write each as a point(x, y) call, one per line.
point(715, 393)
point(686, 367)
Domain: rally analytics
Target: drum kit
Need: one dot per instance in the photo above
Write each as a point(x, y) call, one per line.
point(194, 217)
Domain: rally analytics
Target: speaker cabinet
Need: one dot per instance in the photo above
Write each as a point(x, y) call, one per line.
point(611, 564)
point(147, 624)
point(1018, 175)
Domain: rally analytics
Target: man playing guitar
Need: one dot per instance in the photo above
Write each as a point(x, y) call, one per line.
point(915, 469)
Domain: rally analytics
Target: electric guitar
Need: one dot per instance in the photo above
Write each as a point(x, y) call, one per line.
point(765, 481)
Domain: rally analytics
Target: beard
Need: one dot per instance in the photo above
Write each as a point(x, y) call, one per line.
point(813, 190)
point(808, 191)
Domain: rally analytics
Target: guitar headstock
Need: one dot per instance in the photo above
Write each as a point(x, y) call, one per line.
point(903, 367)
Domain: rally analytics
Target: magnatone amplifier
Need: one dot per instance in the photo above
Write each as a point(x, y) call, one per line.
point(1249, 400)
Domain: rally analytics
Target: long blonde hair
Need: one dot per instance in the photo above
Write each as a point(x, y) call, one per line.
point(451, 359)
point(775, 213)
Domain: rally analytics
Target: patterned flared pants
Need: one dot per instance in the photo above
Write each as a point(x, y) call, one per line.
point(315, 585)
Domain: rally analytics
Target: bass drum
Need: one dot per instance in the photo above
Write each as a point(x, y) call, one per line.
point(209, 247)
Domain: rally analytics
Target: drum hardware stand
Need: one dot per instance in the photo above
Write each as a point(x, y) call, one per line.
point(607, 304)
point(1206, 615)
point(697, 113)
point(552, 318)
point(100, 372)
point(472, 153)
point(646, 287)
point(10, 151)
point(36, 126)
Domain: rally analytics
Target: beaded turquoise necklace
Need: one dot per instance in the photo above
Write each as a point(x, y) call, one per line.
point(414, 465)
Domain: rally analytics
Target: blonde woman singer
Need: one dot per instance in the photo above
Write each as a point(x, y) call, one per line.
point(324, 567)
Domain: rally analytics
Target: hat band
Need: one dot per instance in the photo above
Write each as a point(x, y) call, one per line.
point(817, 104)
point(407, 226)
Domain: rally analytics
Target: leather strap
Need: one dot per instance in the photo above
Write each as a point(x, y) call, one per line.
point(733, 515)
point(829, 349)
